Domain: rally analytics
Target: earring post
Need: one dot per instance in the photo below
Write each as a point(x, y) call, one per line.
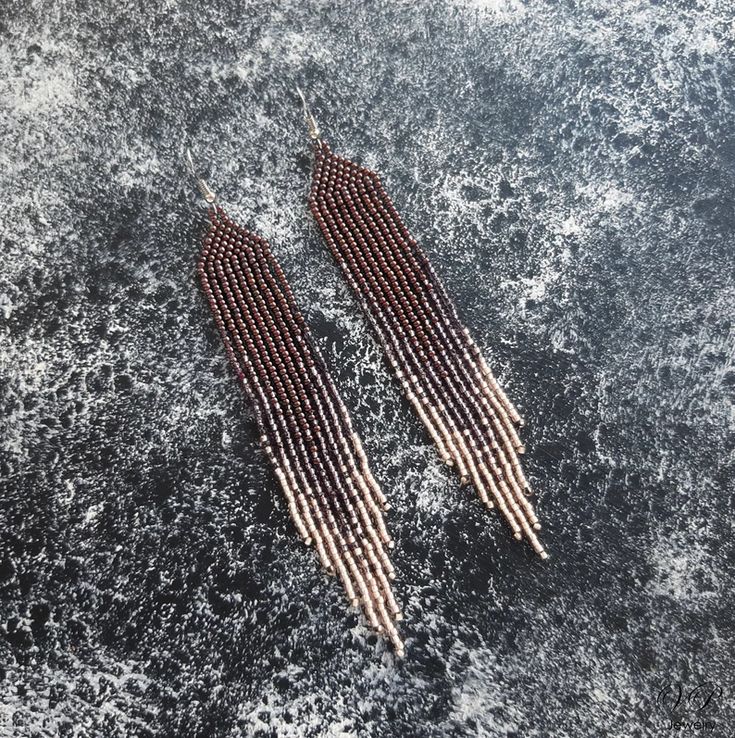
point(308, 117)
point(207, 193)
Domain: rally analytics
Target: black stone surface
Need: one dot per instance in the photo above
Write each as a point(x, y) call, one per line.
point(569, 168)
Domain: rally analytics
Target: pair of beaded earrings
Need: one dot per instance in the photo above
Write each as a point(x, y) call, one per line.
point(334, 501)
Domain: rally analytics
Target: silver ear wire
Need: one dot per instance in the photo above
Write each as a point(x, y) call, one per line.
point(207, 194)
point(308, 117)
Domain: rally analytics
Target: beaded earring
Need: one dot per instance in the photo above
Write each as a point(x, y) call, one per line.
point(444, 376)
point(306, 432)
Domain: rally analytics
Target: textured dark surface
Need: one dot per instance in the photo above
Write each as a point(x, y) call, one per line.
point(570, 171)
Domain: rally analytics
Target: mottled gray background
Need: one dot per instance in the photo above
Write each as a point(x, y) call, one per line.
point(570, 169)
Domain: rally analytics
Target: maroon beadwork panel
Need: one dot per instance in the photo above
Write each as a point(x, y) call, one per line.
point(306, 432)
point(469, 417)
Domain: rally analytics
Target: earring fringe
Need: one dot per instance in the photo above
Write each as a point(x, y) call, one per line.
point(468, 416)
point(306, 432)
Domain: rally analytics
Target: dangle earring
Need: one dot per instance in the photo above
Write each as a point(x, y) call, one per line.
point(443, 374)
point(306, 433)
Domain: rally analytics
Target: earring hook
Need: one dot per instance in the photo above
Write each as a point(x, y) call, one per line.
point(308, 117)
point(207, 194)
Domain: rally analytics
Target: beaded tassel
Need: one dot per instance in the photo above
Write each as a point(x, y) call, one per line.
point(445, 378)
point(306, 432)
